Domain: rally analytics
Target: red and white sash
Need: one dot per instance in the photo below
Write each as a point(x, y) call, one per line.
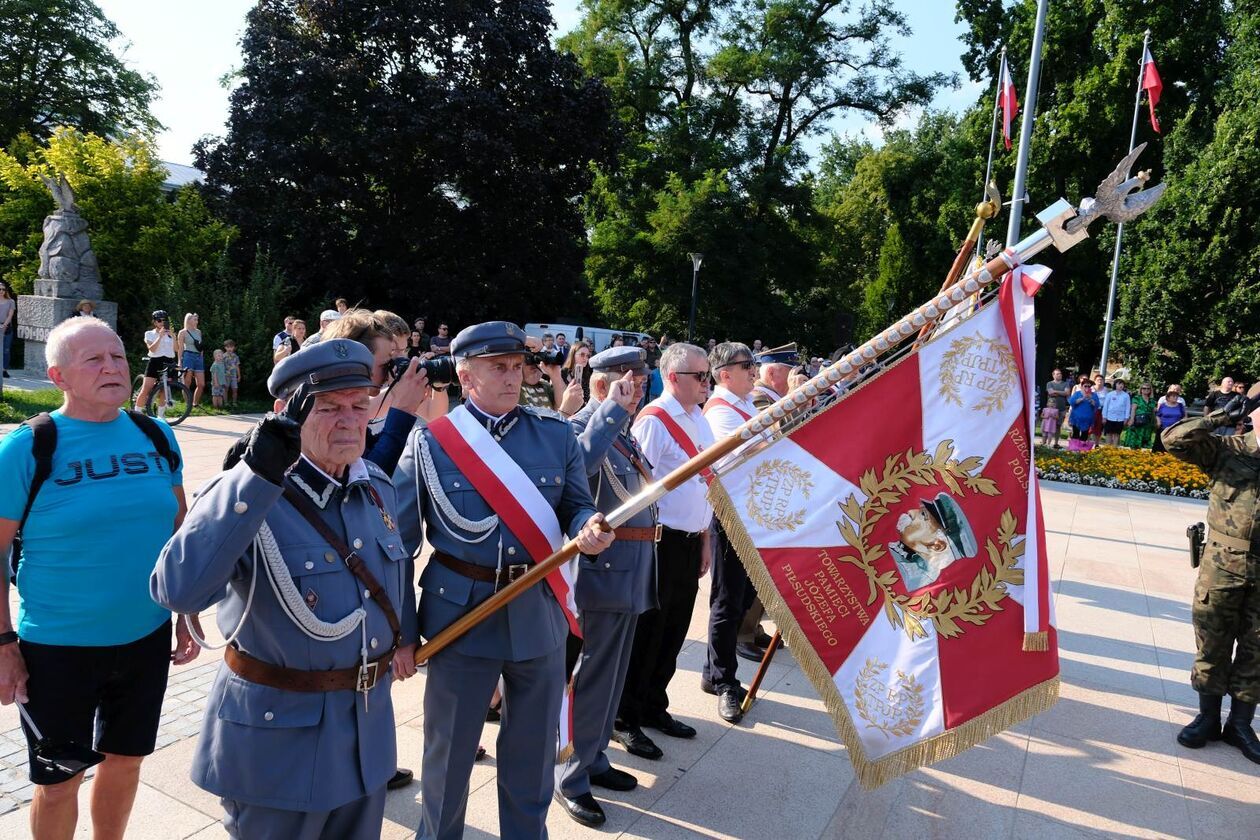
point(719, 401)
point(509, 492)
point(680, 437)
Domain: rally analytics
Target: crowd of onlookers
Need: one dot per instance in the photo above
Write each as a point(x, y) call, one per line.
point(1096, 412)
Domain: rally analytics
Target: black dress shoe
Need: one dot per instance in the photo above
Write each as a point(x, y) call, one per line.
point(751, 652)
point(665, 723)
point(729, 706)
point(401, 778)
point(583, 809)
point(636, 743)
point(761, 639)
point(614, 779)
point(709, 688)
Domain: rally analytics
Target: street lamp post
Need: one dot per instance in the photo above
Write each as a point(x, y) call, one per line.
point(696, 259)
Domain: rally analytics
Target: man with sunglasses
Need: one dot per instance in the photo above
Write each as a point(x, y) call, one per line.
point(731, 595)
point(670, 430)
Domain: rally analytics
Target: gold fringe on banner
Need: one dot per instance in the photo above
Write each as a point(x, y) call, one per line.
point(870, 774)
point(1038, 642)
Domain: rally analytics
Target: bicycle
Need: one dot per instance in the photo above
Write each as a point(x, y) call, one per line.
point(170, 399)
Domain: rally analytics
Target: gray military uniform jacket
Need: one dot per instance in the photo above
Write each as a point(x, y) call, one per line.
point(299, 751)
point(623, 577)
point(432, 490)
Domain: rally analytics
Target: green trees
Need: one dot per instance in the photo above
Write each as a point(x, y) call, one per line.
point(57, 67)
point(719, 98)
point(145, 242)
point(413, 155)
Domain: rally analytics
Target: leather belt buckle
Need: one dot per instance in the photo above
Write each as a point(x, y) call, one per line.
point(659, 529)
point(368, 675)
point(516, 571)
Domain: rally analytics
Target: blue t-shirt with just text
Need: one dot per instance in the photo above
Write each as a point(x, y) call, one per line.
point(94, 532)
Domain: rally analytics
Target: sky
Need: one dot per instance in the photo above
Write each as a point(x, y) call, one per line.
point(189, 45)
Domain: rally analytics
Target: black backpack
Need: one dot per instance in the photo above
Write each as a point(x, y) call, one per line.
point(44, 444)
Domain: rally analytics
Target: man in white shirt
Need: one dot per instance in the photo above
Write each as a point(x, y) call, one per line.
point(1116, 407)
point(731, 594)
point(670, 430)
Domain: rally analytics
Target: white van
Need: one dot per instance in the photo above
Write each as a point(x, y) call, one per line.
point(601, 337)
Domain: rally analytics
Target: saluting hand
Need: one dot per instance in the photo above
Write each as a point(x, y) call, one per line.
point(622, 391)
point(593, 538)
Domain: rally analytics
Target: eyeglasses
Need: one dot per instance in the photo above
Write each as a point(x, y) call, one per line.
point(700, 375)
point(746, 364)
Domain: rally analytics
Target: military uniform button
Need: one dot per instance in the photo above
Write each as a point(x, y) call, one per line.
point(367, 593)
point(329, 556)
point(358, 543)
point(309, 565)
point(608, 565)
point(374, 643)
point(511, 549)
point(240, 507)
point(558, 479)
point(268, 716)
point(542, 479)
point(455, 485)
point(441, 590)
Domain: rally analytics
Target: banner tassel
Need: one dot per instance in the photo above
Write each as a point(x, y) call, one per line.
point(1038, 642)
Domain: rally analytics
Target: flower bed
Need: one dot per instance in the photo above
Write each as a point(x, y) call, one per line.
point(1123, 469)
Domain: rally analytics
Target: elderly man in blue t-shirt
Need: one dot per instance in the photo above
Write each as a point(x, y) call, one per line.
point(92, 650)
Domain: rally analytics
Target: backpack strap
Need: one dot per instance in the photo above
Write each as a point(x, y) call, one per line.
point(43, 445)
point(156, 436)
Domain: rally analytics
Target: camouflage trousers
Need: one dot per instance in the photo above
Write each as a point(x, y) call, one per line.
point(1226, 615)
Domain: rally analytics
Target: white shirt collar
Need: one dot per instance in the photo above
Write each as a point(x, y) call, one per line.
point(723, 393)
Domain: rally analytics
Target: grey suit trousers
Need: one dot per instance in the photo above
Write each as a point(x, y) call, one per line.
point(357, 820)
point(457, 693)
point(608, 638)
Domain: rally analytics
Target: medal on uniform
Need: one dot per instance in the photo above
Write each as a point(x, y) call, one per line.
point(387, 519)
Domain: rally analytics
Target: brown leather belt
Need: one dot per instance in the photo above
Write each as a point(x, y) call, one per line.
point(638, 534)
point(499, 577)
point(358, 678)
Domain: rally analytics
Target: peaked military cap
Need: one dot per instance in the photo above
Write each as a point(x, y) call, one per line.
point(954, 523)
point(785, 355)
point(333, 365)
point(620, 360)
point(493, 338)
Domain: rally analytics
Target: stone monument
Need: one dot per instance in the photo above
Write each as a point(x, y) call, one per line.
point(68, 273)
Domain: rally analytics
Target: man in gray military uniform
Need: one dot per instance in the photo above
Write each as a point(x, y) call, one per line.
point(297, 543)
point(480, 535)
point(614, 588)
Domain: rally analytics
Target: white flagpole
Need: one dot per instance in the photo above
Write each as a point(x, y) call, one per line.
point(1026, 127)
point(988, 167)
point(1115, 259)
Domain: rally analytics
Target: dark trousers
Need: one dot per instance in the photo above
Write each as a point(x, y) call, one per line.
point(729, 599)
point(660, 633)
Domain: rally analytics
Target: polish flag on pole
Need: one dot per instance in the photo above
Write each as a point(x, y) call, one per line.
point(1008, 102)
point(896, 539)
point(1152, 84)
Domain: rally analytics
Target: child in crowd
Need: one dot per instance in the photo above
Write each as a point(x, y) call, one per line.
point(232, 369)
point(218, 380)
point(1050, 426)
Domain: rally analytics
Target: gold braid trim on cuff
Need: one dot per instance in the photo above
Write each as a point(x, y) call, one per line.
point(870, 774)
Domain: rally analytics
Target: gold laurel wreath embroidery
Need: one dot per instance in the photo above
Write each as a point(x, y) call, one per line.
point(949, 364)
point(907, 686)
point(765, 470)
point(948, 607)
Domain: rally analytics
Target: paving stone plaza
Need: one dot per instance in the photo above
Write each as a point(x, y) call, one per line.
point(1103, 762)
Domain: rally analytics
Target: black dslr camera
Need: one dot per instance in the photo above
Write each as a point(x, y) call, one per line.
point(549, 357)
point(441, 369)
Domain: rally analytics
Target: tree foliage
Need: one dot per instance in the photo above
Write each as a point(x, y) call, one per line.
point(58, 66)
point(718, 97)
point(141, 236)
point(412, 153)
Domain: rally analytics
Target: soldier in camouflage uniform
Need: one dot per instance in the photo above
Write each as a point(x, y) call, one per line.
point(1226, 607)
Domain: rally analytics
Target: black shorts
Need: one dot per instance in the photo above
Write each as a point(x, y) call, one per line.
point(113, 693)
point(1113, 427)
point(157, 364)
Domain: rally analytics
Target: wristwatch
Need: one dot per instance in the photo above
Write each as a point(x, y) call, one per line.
point(8, 638)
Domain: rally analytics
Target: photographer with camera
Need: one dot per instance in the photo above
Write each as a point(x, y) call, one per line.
point(1226, 608)
point(160, 342)
point(298, 738)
